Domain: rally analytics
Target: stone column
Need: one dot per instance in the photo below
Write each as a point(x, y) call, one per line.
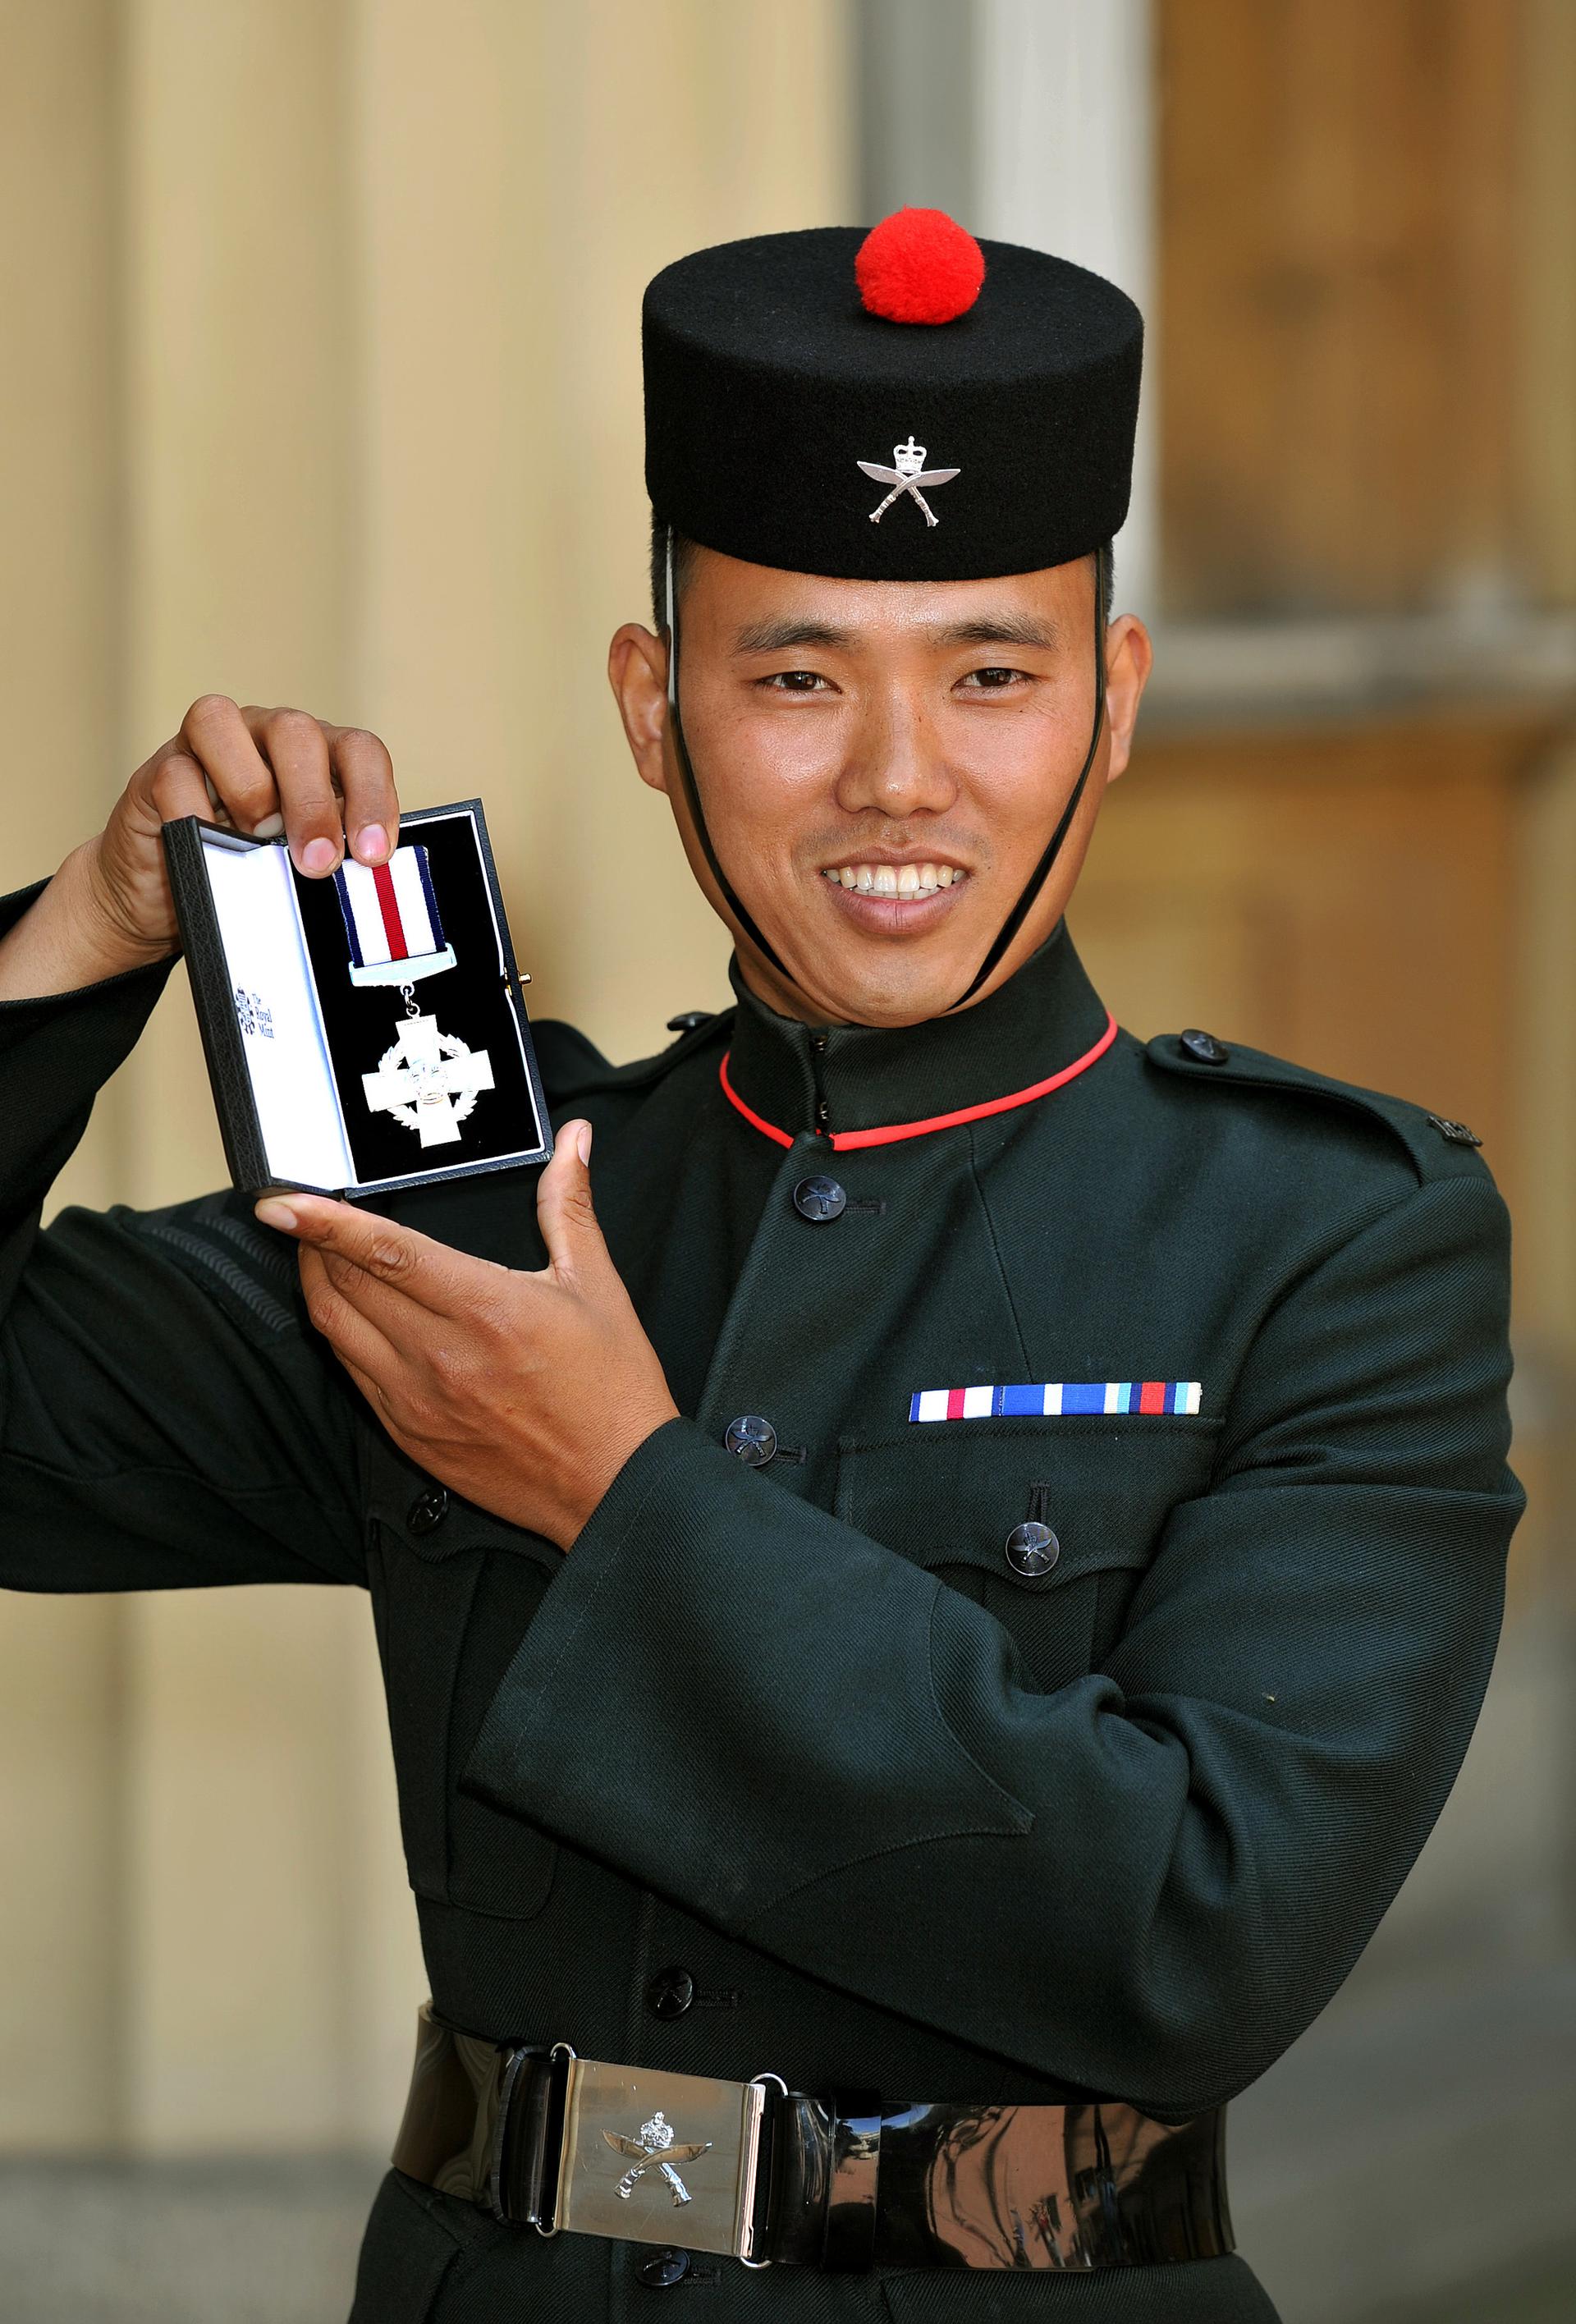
point(1064, 134)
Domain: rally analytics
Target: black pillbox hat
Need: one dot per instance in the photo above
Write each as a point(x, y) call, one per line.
point(789, 425)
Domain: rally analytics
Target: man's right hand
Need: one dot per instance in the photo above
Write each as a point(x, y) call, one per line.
point(109, 908)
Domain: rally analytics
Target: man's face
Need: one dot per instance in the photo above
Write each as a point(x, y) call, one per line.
point(881, 765)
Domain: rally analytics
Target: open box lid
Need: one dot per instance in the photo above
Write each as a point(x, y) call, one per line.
point(365, 1032)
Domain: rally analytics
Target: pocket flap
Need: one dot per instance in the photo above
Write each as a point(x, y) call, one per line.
point(953, 1493)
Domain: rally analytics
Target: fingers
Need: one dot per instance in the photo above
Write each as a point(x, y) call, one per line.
point(213, 735)
point(334, 783)
point(180, 787)
point(375, 1396)
point(366, 774)
point(364, 1382)
point(400, 1318)
point(296, 749)
point(428, 1274)
point(354, 1336)
point(281, 771)
point(564, 1208)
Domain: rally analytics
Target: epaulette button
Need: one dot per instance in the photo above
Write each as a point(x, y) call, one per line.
point(1204, 1047)
point(688, 1021)
point(1456, 1131)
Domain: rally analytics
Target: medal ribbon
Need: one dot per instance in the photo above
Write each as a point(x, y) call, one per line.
point(391, 920)
point(388, 905)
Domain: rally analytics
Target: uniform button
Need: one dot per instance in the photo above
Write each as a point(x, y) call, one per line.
point(670, 1992)
point(1204, 1047)
point(663, 2268)
point(1032, 1548)
point(819, 1199)
point(428, 1510)
point(753, 1439)
point(688, 1020)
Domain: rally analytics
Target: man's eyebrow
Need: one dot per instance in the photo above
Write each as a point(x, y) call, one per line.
point(998, 629)
point(983, 630)
point(776, 637)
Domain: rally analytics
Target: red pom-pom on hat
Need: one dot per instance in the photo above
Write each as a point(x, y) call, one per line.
point(920, 266)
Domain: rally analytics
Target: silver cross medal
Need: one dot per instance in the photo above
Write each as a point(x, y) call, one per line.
point(428, 1080)
point(655, 2145)
point(905, 475)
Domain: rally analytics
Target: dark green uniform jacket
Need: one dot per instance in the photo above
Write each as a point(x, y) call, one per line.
point(909, 1821)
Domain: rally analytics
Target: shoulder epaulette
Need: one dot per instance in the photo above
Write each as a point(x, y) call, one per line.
point(1438, 1146)
point(572, 1066)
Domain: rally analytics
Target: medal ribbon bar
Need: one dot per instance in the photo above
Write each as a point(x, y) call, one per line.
point(1055, 1398)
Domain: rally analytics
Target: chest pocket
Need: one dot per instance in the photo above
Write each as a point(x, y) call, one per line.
point(952, 1495)
point(454, 1591)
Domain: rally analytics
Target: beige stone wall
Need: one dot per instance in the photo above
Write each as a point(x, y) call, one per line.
point(327, 313)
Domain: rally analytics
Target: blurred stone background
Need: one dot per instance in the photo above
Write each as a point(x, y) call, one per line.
point(322, 386)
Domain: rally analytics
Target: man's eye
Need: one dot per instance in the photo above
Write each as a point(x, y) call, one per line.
point(992, 680)
point(794, 681)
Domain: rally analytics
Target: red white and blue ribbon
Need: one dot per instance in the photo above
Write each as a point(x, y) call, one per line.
point(391, 921)
point(1054, 1399)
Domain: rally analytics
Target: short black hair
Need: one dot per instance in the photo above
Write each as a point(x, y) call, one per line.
point(684, 550)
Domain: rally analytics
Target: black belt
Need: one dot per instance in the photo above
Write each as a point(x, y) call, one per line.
point(853, 2179)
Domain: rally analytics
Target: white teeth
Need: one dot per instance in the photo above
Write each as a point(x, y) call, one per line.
point(903, 880)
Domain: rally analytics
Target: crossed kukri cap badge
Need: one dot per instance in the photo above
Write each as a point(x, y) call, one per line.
point(907, 473)
point(655, 2145)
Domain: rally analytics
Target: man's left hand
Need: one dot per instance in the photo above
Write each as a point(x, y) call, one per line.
point(525, 1392)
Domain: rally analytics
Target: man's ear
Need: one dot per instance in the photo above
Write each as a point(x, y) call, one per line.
point(1129, 656)
point(637, 671)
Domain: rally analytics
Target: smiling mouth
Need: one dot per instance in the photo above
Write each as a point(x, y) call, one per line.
point(901, 883)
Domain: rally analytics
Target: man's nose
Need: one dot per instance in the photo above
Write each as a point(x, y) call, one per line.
point(896, 763)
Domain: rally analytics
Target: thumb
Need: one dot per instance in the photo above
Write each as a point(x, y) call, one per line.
point(564, 1209)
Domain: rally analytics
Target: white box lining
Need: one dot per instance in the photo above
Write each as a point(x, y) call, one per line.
point(293, 1084)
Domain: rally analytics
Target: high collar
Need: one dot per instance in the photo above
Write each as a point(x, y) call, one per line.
point(1037, 1023)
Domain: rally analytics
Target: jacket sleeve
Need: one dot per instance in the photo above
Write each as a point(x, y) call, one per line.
point(1148, 1882)
point(167, 1415)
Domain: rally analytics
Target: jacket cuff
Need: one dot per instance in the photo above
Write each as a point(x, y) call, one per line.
point(56, 1053)
point(709, 1631)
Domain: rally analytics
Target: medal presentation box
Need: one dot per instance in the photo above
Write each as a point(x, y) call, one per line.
point(363, 1032)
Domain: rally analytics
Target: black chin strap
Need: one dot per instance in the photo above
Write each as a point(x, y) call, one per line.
point(1037, 877)
point(691, 792)
point(1042, 870)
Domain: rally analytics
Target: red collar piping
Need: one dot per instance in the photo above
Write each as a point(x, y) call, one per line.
point(844, 1141)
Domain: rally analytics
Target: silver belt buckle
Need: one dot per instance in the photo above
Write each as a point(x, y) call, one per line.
point(655, 2157)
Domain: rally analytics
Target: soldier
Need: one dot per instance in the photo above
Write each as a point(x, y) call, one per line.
point(924, 1632)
